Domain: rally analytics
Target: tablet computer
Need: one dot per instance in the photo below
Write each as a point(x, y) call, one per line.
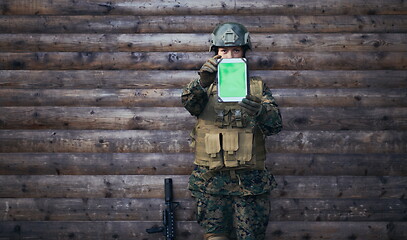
point(232, 79)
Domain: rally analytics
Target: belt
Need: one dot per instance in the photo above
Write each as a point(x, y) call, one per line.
point(234, 173)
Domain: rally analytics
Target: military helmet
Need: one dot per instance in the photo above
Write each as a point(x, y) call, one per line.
point(230, 35)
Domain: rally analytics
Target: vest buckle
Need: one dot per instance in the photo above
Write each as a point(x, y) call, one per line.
point(238, 118)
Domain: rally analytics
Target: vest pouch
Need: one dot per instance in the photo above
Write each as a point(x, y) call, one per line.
point(245, 148)
point(212, 148)
point(230, 144)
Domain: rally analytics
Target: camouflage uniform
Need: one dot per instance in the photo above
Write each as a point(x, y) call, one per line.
point(233, 203)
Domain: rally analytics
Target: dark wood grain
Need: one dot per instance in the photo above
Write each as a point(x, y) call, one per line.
point(142, 186)
point(157, 7)
point(203, 23)
point(194, 60)
point(161, 118)
point(182, 164)
point(177, 42)
point(294, 81)
point(279, 230)
point(167, 141)
point(140, 209)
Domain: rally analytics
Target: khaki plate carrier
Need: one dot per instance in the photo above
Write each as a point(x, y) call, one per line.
point(224, 136)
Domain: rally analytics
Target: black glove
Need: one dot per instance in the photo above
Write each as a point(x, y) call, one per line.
point(208, 71)
point(252, 105)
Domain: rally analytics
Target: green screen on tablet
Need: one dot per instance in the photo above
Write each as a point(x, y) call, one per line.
point(232, 79)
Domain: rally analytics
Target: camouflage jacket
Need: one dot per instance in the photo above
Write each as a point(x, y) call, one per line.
point(247, 182)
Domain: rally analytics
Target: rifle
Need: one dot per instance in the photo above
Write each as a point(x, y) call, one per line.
point(168, 229)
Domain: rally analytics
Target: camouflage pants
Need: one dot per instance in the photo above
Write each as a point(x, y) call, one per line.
point(239, 217)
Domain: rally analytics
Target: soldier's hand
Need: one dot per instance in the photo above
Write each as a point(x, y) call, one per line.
point(208, 71)
point(252, 105)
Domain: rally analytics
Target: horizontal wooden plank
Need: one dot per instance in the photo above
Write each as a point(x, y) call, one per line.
point(281, 230)
point(143, 186)
point(96, 230)
point(96, 163)
point(126, 209)
point(225, 7)
point(360, 97)
point(130, 98)
point(95, 79)
point(165, 141)
point(388, 42)
point(177, 118)
point(99, 209)
point(162, 79)
point(194, 60)
point(187, 23)
point(314, 118)
point(95, 141)
point(338, 142)
point(182, 164)
point(338, 210)
point(96, 118)
point(144, 118)
point(92, 97)
point(338, 164)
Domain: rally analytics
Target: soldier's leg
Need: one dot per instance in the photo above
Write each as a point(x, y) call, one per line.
point(251, 216)
point(215, 215)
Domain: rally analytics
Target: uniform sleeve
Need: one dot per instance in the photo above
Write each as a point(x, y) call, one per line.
point(269, 120)
point(194, 97)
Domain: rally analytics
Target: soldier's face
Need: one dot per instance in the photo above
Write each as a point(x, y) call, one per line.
point(230, 52)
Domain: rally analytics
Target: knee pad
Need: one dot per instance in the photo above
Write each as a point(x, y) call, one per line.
point(215, 236)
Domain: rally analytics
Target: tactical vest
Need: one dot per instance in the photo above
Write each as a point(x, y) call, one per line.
point(226, 137)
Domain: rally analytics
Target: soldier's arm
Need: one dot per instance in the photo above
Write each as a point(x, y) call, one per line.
point(269, 119)
point(194, 97)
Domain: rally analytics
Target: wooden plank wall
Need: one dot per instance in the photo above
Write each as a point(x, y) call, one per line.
point(91, 120)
